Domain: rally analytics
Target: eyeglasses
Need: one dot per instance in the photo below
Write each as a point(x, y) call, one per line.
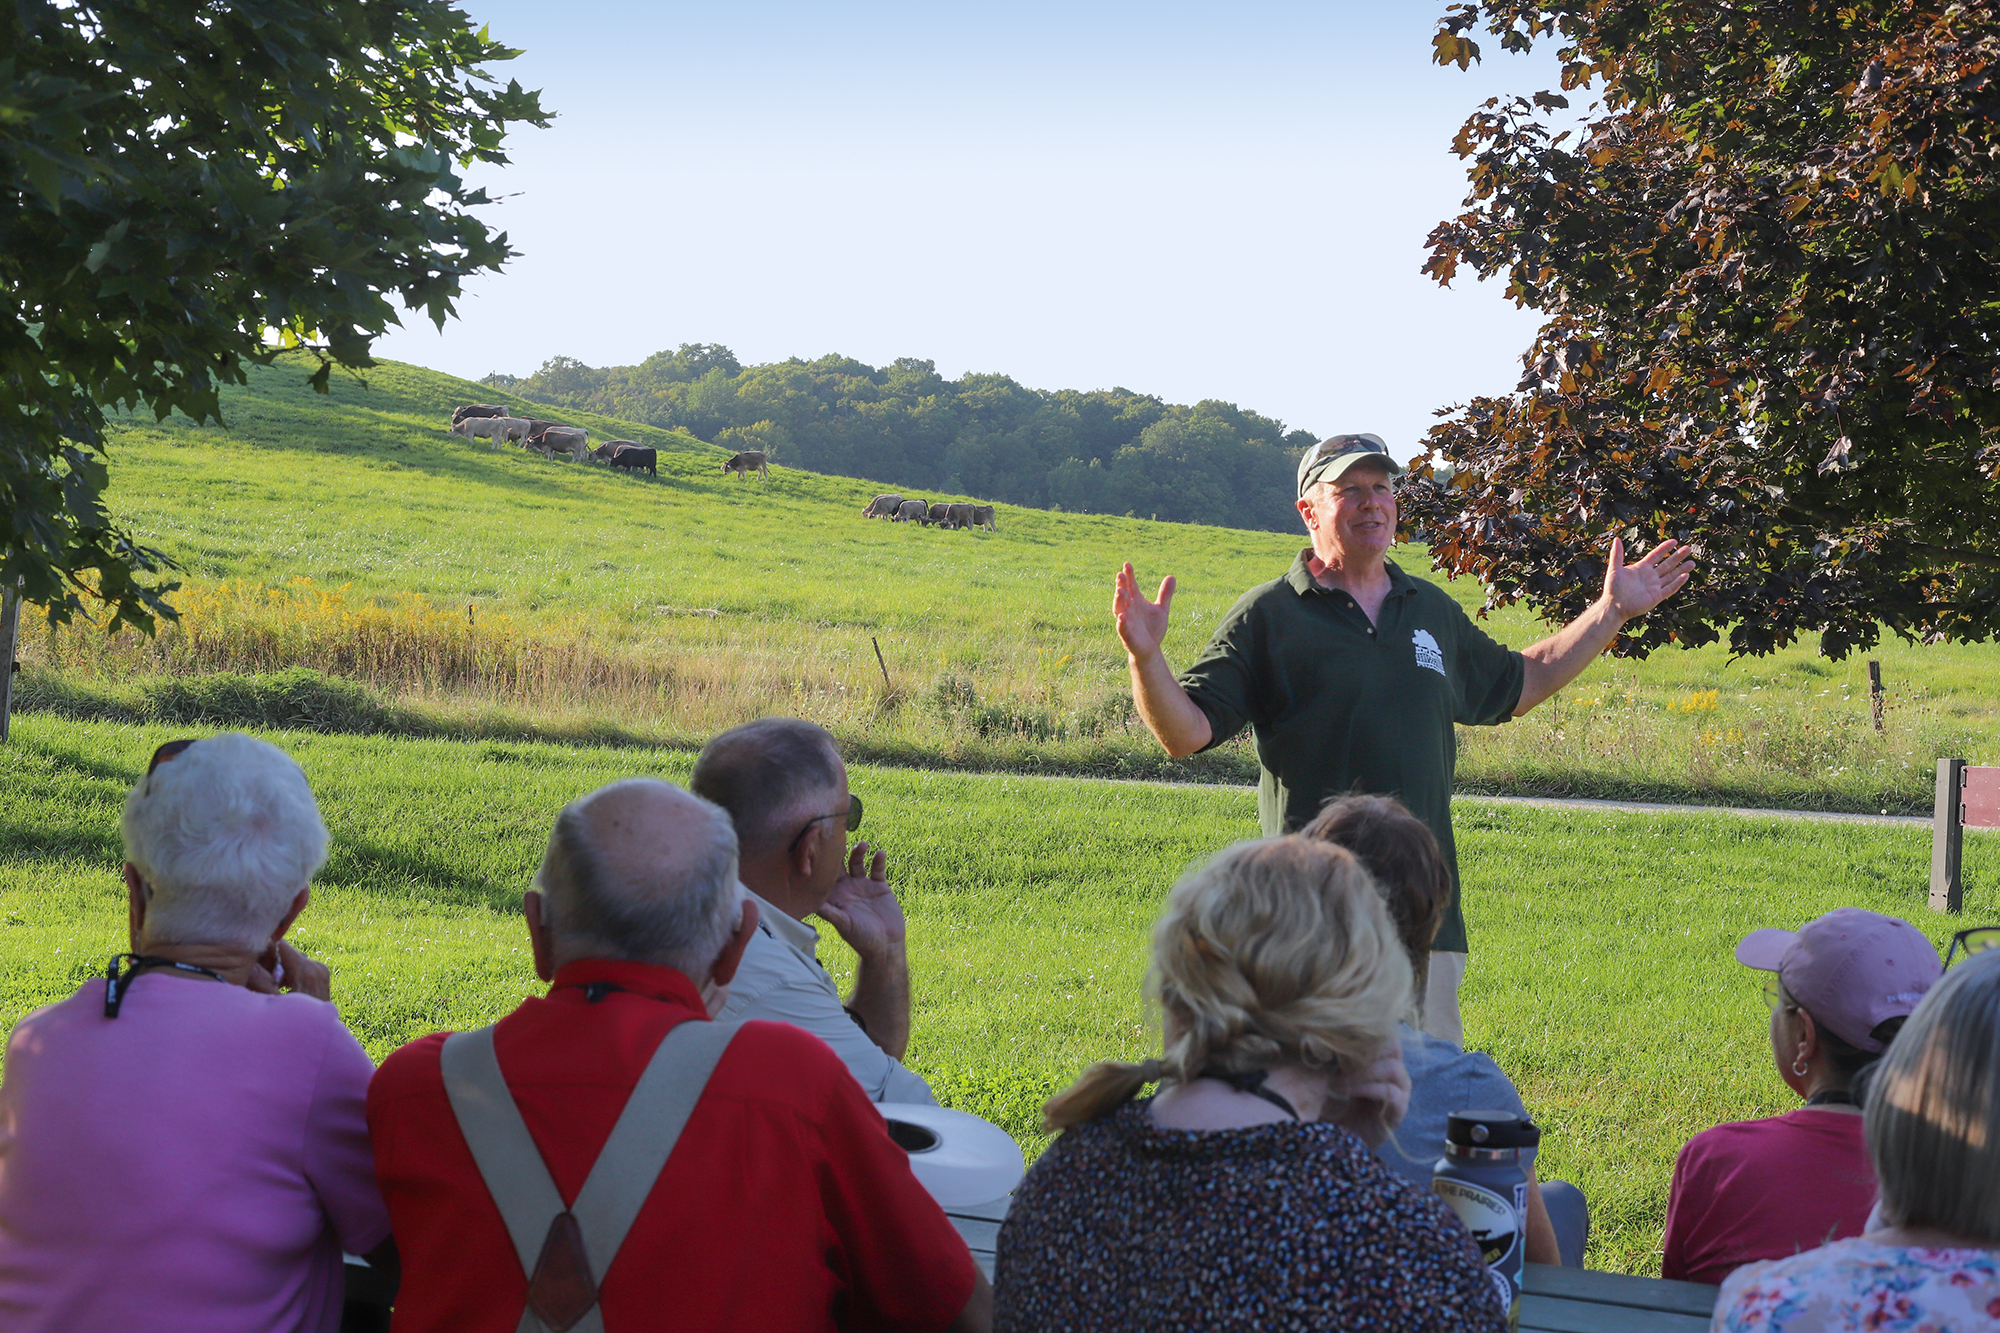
point(1976, 939)
point(161, 756)
point(852, 815)
point(1774, 994)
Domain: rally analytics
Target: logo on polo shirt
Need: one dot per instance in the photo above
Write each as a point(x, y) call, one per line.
point(1428, 652)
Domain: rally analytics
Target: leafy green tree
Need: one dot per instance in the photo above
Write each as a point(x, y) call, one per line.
point(1768, 264)
point(1109, 451)
point(189, 186)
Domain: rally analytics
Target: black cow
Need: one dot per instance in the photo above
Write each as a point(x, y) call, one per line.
point(476, 410)
point(635, 456)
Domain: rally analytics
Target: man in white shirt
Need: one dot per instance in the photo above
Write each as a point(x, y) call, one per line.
point(785, 787)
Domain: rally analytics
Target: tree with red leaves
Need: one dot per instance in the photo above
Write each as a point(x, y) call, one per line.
point(1768, 263)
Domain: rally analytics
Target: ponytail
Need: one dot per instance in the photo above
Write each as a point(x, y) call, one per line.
point(1102, 1088)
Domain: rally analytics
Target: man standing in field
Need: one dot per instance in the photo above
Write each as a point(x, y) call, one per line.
point(1351, 673)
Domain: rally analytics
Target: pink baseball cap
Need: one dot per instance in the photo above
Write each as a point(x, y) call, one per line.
point(1852, 969)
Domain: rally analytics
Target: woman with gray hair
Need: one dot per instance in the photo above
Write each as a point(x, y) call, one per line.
point(1244, 1195)
point(1930, 1258)
point(183, 1142)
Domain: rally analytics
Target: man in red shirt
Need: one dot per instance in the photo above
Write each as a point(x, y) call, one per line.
point(783, 1205)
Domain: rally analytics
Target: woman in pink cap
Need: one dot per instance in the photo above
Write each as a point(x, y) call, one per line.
point(1767, 1189)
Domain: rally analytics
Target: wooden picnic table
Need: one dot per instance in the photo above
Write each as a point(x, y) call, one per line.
point(1553, 1300)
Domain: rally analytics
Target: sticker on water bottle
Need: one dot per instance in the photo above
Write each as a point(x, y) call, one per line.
point(1486, 1215)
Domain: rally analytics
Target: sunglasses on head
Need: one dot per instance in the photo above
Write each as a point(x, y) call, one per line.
point(161, 756)
point(1975, 939)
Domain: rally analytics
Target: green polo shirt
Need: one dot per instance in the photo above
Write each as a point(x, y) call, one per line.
point(1338, 705)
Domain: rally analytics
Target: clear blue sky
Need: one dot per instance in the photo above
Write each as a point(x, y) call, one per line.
point(1196, 201)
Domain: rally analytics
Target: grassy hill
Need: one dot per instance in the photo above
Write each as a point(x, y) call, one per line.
point(474, 592)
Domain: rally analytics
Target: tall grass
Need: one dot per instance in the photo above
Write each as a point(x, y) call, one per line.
point(435, 669)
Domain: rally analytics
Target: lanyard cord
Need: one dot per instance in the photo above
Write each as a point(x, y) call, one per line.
point(117, 983)
point(1252, 1082)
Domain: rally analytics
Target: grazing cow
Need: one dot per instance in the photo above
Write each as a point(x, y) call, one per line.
point(477, 410)
point(602, 453)
point(635, 456)
point(513, 430)
point(560, 439)
point(913, 511)
point(982, 517)
point(496, 429)
point(940, 513)
point(883, 506)
point(958, 516)
point(750, 460)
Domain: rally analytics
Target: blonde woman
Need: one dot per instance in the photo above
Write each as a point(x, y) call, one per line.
point(1930, 1258)
point(1245, 1194)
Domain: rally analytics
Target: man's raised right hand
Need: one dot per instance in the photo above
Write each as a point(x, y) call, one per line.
point(1142, 625)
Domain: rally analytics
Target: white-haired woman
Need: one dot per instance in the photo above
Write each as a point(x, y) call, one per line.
point(183, 1143)
point(1931, 1257)
point(1245, 1194)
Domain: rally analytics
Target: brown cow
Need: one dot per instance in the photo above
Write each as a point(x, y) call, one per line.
point(982, 517)
point(750, 460)
point(958, 516)
point(883, 506)
point(939, 512)
point(913, 511)
point(560, 439)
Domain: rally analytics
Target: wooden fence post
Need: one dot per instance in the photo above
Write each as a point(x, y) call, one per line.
point(10, 634)
point(1875, 692)
point(1947, 839)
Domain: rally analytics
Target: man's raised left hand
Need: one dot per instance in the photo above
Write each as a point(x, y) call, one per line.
point(1634, 589)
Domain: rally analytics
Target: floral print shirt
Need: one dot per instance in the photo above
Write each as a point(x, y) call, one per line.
point(1860, 1285)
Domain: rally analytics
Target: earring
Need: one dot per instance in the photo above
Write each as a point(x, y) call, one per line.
point(1799, 1066)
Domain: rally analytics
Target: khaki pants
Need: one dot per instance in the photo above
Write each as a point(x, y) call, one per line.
point(1441, 1018)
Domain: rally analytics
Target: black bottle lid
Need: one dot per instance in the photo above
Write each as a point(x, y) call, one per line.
point(1491, 1129)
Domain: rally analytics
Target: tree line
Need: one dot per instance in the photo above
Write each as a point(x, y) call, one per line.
point(1106, 451)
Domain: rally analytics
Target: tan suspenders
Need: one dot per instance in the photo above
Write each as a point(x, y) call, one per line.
point(566, 1252)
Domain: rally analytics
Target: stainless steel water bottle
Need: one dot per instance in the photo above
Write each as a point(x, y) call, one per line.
point(1481, 1177)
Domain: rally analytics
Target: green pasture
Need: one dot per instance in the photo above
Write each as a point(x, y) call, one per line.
point(715, 599)
point(1601, 977)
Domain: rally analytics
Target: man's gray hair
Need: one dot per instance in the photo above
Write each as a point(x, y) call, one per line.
point(763, 773)
point(677, 910)
point(224, 834)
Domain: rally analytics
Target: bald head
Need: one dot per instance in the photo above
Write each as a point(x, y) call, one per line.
point(643, 871)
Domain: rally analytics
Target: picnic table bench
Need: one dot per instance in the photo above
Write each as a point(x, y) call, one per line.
point(1553, 1300)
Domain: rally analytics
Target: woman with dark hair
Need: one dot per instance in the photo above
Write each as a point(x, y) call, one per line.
point(1402, 856)
point(1765, 1189)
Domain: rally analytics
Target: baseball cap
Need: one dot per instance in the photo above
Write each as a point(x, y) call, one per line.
point(1852, 969)
point(1330, 459)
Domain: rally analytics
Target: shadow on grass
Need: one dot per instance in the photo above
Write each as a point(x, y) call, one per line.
point(373, 868)
point(35, 842)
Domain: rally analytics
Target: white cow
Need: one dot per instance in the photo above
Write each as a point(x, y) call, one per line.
point(497, 429)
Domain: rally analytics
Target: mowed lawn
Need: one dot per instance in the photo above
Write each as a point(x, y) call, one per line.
point(1602, 977)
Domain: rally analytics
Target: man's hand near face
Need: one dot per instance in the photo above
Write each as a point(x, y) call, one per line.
point(863, 911)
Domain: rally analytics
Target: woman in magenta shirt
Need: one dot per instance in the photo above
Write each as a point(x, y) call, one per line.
point(184, 1143)
point(1767, 1189)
